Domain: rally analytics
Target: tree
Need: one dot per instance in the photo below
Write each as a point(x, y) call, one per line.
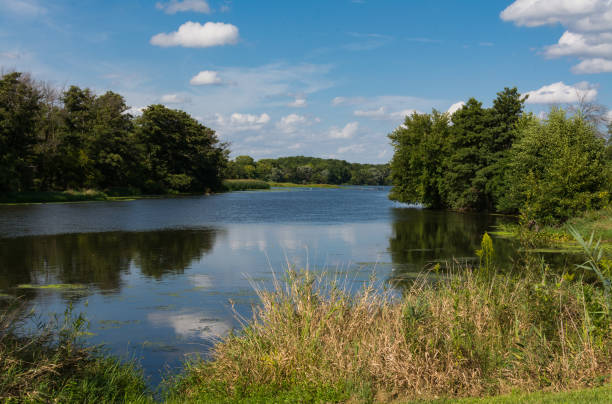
point(416, 167)
point(557, 169)
point(19, 113)
point(74, 163)
point(505, 114)
point(464, 182)
point(181, 155)
point(111, 148)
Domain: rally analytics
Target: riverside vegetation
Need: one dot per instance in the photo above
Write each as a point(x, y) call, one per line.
point(474, 331)
point(55, 140)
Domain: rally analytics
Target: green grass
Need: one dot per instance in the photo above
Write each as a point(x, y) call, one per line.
point(597, 395)
point(292, 185)
point(52, 364)
point(53, 197)
point(245, 185)
point(558, 238)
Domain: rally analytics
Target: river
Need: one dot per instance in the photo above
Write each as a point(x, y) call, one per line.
point(156, 278)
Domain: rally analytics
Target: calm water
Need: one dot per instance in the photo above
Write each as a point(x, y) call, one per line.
point(159, 274)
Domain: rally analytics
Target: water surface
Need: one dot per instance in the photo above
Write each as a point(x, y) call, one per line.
point(157, 277)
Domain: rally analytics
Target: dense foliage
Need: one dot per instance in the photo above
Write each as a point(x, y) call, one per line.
point(501, 159)
point(308, 170)
point(77, 139)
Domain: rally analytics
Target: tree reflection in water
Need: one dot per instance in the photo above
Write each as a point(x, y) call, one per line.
point(423, 237)
point(99, 259)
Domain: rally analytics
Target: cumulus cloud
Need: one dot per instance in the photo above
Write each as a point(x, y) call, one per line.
point(455, 107)
point(588, 34)
point(238, 122)
point(589, 66)
point(175, 6)
point(174, 99)
point(560, 93)
point(194, 35)
point(382, 113)
point(582, 45)
point(349, 130)
point(135, 111)
point(338, 101)
point(299, 102)
point(354, 148)
point(291, 122)
point(206, 77)
point(533, 13)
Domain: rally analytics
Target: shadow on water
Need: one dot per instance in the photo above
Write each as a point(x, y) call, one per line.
point(98, 260)
point(420, 238)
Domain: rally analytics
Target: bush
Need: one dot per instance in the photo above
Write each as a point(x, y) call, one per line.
point(244, 185)
point(557, 170)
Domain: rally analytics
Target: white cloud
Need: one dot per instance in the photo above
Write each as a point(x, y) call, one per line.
point(338, 101)
point(135, 111)
point(175, 6)
point(290, 123)
point(455, 107)
point(588, 34)
point(589, 66)
point(299, 102)
point(238, 122)
point(532, 13)
point(382, 114)
point(205, 77)
point(577, 44)
point(354, 148)
point(30, 8)
point(560, 93)
point(349, 130)
point(194, 35)
point(174, 99)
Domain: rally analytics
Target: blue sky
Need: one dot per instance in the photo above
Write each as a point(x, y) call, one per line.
point(327, 78)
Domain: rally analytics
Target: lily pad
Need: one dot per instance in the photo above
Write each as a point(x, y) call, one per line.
point(59, 286)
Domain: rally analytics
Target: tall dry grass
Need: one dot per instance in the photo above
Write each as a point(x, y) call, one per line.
point(472, 334)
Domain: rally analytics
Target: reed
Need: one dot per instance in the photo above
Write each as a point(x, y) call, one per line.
point(465, 336)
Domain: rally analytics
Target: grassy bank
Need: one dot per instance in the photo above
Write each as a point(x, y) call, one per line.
point(474, 334)
point(598, 223)
point(245, 185)
point(54, 196)
point(292, 185)
point(51, 364)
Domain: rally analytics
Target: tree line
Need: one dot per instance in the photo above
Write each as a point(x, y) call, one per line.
point(503, 159)
point(308, 170)
point(75, 139)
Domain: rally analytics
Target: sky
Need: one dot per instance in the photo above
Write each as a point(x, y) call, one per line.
point(324, 78)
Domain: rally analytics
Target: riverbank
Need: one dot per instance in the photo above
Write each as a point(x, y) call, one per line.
point(476, 335)
point(598, 223)
point(51, 364)
point(91, 195)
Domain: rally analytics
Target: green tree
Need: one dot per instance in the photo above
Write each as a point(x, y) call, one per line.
point(19, 114)
point(416, 167)
point(502, 130)
point(557, 169)
point(181, 155)
point(464, 182)
point(111, 147)
point(73, 161)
